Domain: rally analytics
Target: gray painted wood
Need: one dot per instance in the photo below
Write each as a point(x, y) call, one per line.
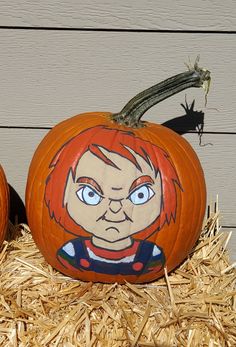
point(16, 150)
point(232, 245)
point(218, 161)
point(217, 156)
point(145, 14)
point(49, 76)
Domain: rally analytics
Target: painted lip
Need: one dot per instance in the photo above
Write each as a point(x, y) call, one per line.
point(112, 228)
point(103, 217)
point(114, 221)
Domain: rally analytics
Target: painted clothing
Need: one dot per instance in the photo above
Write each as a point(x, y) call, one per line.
point(140, 257)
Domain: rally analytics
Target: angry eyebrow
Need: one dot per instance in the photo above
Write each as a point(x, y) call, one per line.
point(139, 181)
point(91, 182)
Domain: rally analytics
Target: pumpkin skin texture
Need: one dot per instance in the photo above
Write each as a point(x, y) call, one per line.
point(110, 202)
point(4, 205)
point(176, 237)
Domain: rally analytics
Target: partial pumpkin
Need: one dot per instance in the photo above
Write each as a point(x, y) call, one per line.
point(4, 205)
point(111, 198)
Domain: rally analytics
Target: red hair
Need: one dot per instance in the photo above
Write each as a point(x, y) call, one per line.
point(124, 143)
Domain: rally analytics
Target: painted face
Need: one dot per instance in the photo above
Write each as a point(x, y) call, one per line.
point(113, 203)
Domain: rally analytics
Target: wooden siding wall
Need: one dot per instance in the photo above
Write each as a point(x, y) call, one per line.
point(59, 58)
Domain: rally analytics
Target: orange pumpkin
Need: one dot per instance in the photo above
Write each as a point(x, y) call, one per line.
point(4, 205)
point(111, 198)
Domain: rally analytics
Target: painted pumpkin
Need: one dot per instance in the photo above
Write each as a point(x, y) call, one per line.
point(111, 198)
point(4, 205)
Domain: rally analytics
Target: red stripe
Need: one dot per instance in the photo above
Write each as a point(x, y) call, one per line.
point(66, 263)
point(156, 268)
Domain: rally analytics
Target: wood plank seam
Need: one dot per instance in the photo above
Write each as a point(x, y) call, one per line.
point(130, 30)
point(49, 128)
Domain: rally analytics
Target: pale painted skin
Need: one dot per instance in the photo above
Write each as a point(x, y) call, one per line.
point(113, 204)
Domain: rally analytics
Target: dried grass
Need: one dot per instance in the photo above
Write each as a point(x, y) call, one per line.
point(193, 306)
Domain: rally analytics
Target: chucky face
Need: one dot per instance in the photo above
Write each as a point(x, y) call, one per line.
point(113, 202)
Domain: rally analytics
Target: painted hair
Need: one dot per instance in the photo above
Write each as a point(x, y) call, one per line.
point(124, 143)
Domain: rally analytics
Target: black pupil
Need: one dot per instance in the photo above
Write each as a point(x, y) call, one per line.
point(140, 195)
point(91, 194)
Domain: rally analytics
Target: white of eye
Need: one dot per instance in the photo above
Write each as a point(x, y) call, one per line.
point(69, 249)
point(141, 195)
point(89, 196)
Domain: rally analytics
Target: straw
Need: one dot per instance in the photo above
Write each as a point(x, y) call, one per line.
point(195, 305)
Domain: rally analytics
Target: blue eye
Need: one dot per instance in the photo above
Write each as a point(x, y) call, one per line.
point(89, 196)
point(141, 195)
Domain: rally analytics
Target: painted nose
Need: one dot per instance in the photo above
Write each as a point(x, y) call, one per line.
point(115, 206)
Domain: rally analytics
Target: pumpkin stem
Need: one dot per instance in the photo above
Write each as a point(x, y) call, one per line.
point(131, 114)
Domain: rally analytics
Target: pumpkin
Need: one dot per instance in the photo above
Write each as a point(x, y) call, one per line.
point(111, 198)
point(4, 205)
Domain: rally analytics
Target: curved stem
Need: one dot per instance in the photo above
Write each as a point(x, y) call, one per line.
point(131, 114)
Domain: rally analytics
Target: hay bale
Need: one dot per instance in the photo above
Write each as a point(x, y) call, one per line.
point(193, 306)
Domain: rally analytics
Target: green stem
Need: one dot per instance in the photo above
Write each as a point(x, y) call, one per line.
point(131, 114)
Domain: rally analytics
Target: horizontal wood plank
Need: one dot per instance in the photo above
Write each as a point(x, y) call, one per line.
point(232, 245)
point(49, 76)
point(217, 156)
point(146, 14)
point(218, 160)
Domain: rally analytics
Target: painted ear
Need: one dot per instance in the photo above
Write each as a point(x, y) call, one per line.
point(69, 182)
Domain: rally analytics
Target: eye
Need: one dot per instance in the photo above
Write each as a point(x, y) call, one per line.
point(89, 196)
point(141, 195)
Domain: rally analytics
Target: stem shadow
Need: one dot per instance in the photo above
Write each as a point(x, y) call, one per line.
point(192, 121)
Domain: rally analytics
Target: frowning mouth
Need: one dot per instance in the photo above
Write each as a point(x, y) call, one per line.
point(103, 217)
point(114, 221)
point(112, 228)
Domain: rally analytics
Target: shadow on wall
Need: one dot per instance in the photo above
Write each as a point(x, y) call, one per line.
point(191, 121)
point(17, 208)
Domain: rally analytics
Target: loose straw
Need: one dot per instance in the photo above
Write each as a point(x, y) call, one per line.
point(195, 305)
